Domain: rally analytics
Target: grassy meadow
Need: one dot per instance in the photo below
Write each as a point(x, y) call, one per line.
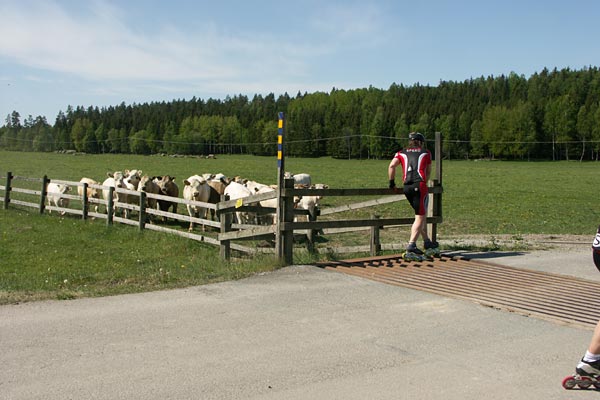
point(45, 257)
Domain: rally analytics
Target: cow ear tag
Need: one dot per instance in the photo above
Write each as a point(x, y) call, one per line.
point(239, 203)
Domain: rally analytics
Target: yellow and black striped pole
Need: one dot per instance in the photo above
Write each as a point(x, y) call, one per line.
point(279, 235)
point(280, 149)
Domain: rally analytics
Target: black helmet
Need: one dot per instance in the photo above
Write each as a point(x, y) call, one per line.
point(416, 136)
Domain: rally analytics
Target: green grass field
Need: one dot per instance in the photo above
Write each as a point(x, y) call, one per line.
point(52, 257)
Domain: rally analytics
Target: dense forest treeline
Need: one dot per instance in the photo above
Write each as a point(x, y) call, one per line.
point(550, 115)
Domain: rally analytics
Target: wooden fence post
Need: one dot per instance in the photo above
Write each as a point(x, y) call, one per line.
point(375, 247)
point(110, 206)
point(85, 201)
point(312, 234)
point(9, 177)
point(225, 245)
point(142, 224)
point(437, 197)
point(44, 194)
point(288, 216)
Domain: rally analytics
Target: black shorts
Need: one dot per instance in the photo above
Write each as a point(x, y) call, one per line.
point(417, 195)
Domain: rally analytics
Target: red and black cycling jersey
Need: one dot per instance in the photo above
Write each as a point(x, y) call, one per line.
point(414, 161)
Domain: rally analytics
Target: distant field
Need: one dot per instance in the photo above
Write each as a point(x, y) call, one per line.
point(51, 257)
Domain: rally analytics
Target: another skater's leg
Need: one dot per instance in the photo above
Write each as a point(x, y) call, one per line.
point(594, 347)
point(590, 363)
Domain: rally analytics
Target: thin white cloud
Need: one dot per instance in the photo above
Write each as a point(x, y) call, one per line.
point(351, 22)
point(100, 46)
point(97, 46)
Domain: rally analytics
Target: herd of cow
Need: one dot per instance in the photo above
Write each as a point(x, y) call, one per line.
point(205, 188)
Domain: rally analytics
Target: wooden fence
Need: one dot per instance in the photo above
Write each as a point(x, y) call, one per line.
point(224, 232)
point(227, 232)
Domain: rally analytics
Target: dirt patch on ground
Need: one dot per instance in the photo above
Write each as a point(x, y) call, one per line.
point(523, 242)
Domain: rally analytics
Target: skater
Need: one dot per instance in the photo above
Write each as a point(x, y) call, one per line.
point(416, 167)
point(588, 369)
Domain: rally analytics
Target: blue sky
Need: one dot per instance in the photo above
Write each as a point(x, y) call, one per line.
point(104, 52)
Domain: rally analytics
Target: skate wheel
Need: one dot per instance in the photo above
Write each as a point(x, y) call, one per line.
point(569, 382)
point(585, 382)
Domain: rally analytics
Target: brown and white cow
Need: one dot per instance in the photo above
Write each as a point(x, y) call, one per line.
point(92, 193)
point(148, 185)
point(168, 187)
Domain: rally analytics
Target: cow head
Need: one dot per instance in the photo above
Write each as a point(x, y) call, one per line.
point(132, 178)
point(164, 182)
point(194, 186)
point(118, 177)
point(144, 184)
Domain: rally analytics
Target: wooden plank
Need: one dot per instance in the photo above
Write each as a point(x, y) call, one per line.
point(178, 200)
point(185, 218)
point(364, 204)
point(245, 201)
point(27, 191)
point(127, 191)
point(252, 250)
point(333, 231)
point(189, 235)
point(24, 203)
point(66, 196)
point(248, 233)
point(350, 192)
point(97, 215)
point(337, 192)
point(24, 178)
point(65, 210)
point(351, 223)
point(61, 182)
point(125, 221)
point(167, 214)
point(128, 206)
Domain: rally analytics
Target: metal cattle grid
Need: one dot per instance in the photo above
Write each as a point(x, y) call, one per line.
point(554, 297)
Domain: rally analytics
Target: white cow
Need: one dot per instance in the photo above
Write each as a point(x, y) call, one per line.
point(132, 178)
point(115, 179)
point(260, 188)
point(311, 203)
point(221, 178)
point(270, 218)
point(92, 193)
point(196, 188)
point(236, 191)
point(55, 192)
point(253, 185)
point(299, 179)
